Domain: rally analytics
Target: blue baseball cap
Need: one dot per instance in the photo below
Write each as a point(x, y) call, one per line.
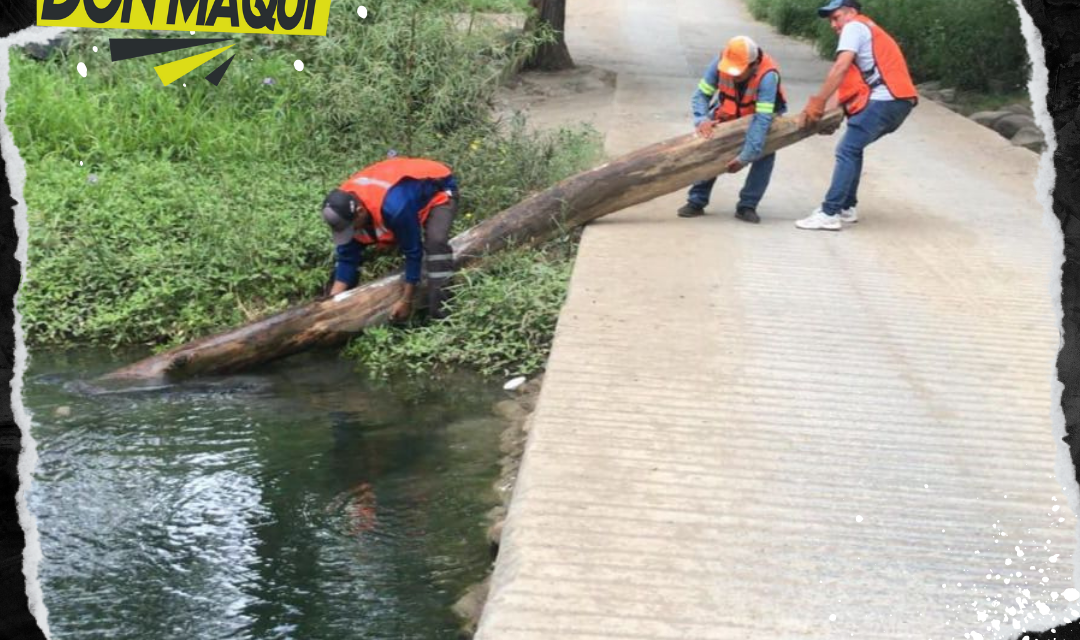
point(833, 5)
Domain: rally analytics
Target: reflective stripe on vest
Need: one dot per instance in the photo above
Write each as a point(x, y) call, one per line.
point(371, 185)
point(730, 104)
point(890, 69)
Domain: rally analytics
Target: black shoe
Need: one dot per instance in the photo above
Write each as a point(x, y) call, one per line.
point(691, 210)
point(747, 214)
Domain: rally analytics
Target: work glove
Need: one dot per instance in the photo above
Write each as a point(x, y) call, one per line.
point(813, 112)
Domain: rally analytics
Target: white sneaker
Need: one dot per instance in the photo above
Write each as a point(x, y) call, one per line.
point(819, 220)
point(849, 216)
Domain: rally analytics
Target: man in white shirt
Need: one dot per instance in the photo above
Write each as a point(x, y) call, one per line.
point(873, 85)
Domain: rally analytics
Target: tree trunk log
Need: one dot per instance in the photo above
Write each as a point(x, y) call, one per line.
point(553, 56)
point(641, 176)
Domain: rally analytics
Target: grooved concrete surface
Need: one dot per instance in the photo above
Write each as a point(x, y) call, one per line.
point(757, 431)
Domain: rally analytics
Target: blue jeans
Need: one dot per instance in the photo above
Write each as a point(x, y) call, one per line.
point(753, 189)
point(878, 119)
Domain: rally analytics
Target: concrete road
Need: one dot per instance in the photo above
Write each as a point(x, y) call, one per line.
point(758, 431)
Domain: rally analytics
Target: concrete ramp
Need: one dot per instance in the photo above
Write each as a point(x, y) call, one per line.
point(758, 431)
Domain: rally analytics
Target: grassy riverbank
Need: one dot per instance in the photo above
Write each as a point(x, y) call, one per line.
point(162, 213)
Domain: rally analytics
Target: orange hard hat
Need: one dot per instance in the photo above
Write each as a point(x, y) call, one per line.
point(739, 54)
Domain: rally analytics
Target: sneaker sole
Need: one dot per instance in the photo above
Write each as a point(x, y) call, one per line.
point(836, 228)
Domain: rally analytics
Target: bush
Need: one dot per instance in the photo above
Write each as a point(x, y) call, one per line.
point(502, 319)
point(158, 214)
point(938, 38)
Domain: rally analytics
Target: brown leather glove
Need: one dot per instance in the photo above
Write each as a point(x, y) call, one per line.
point(814, 111)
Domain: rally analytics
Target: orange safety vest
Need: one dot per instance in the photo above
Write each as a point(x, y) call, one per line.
point(732, 106)
point(371, 185)
point(889, 69)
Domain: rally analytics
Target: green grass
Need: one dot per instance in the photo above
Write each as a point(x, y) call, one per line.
point(973, 45)
point(194, 207)
point(498, 6)
point(502, 321)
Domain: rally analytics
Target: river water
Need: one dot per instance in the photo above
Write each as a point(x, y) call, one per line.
point(297, 503)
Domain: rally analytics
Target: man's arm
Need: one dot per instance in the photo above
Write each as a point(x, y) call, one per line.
point(705, 91)
point(406, 229)
point(347, 268)
point(764, 111)
point(853, 36)
point(836, 74)
point(400, 210)
point(703, 96)
point(815, 106)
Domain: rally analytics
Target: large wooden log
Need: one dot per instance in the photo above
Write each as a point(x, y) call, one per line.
point(638, 177)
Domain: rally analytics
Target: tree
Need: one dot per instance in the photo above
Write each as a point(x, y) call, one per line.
point(550, 56)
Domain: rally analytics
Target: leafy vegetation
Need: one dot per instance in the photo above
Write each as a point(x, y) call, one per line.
point(502, 321)
point(938, 38)
point(161, 213)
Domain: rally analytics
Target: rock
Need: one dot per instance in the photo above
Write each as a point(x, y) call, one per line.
point(504, 488)
point(947, 95)
point(62, 412)
point(509, 409)
point(530, 387)
point(1029, 138)
point(988, 118)
point(494, 535)
point(469, 607)
point(527, 402)
point(496, 513)
point(1021, 109)
point(928, 86)
point(512, 440)
point(930, 95)
point(1010, 124)
point(497, 517)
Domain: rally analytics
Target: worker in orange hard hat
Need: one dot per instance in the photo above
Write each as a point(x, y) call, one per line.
point(872, 84)
point(742, 81)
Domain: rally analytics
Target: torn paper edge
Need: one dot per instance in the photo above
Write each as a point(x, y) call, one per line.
point(16, 176)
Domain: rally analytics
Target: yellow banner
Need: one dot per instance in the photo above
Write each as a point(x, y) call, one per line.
point(293, 17)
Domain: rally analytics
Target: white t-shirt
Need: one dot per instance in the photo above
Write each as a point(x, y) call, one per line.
point(855, 36)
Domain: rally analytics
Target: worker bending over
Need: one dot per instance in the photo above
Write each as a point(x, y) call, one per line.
point(742, 81)
point(410, 202)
